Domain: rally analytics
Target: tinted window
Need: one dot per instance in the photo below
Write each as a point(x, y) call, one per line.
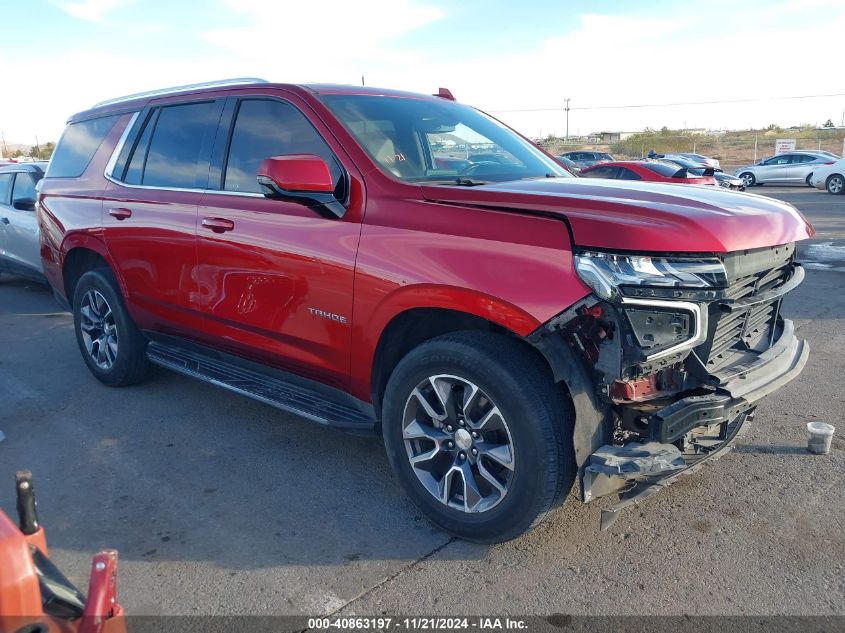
point(664, 169)
point(627, 174)
point(135, 170)
point(5, 186)
point(600, 172)
point(177, 141)
point(23, 189)
point(78, 145)
point(265, 128)
point(803, 158)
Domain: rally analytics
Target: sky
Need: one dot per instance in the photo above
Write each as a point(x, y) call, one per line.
point(517, 60)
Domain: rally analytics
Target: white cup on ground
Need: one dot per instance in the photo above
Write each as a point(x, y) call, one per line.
point(819, 436)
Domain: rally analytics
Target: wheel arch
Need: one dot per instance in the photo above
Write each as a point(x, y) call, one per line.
point(79, 259)
point(412, 327)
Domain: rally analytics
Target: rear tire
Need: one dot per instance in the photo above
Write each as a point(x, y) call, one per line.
point(495, 404)
point(835, 184)
point(111, 344)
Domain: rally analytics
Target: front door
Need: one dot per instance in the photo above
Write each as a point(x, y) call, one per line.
point(275, 277)
point(150, 214)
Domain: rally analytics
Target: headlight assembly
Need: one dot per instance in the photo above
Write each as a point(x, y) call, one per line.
point(606, 272)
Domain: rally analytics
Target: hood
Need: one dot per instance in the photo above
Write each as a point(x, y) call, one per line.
point(642, 216)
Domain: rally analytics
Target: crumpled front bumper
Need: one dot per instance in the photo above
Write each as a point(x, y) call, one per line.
point(637, 471)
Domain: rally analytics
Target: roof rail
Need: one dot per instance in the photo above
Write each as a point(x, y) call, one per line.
point(220, 83)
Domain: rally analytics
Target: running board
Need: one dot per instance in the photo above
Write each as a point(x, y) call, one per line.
point(271, 387)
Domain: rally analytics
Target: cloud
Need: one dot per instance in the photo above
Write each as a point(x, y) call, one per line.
point(305, 39)
point(90, 10)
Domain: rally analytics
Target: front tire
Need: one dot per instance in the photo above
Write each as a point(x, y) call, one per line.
point(479, 435)
point(748, 179)
point(836, 184)
point(111, 344)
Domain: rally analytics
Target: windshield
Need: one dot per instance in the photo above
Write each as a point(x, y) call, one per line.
point(420, 140)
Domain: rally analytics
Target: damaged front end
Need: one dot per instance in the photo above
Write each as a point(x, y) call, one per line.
point(679, 350)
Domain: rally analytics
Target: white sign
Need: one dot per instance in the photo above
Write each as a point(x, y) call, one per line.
point(783, 145)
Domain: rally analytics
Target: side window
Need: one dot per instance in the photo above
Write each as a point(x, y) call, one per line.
point(781, 160)
point(175, 147)
point(78, 145)
point(23, 191)
point(265, 128)
point(600, 172)
point(627, 174)
point(5, 187)
point(802, 158)
point(135, 169)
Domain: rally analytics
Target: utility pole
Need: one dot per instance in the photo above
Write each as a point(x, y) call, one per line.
point(5, 149)
point(37, 148)
point(567, 119)
point(755, 147)
point(362, 80)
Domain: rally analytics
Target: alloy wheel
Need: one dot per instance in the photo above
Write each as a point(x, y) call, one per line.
point(835, 184)
point(747, 180)
point(99, 331)
point(458, 443)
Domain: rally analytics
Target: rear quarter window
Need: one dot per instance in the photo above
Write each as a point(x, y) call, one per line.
point(78, 145)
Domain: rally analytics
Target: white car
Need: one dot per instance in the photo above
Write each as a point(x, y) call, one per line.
point(830, 177)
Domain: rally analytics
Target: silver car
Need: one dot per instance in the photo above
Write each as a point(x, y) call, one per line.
point(19, 236)
point(792, 168)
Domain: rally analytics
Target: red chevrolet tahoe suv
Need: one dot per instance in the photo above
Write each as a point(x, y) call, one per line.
point(401, 263)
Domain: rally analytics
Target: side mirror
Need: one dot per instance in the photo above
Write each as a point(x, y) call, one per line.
point(24, 204)
point(302, 178)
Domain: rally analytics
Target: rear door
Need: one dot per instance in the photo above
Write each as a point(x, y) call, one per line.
point(150, 212)
point(276, 285)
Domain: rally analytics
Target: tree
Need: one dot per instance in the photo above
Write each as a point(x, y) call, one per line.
point(828, 123)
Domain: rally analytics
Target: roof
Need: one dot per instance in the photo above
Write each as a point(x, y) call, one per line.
point(137, 101)
point(34, 168)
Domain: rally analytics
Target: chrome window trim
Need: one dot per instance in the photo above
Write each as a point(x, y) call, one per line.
point(119, 147)
point(700, 318)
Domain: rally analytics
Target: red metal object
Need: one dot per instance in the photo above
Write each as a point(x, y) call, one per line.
point(445, 93)
point(21, 604)
point(298, 172)
point(102, 612)
point(499, 252)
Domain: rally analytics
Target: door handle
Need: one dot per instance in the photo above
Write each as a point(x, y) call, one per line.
point(4, 220)
point(120, 213)
point(218, 225)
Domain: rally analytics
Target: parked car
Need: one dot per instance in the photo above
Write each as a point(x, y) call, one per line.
point(696, 159)
point(783, 169)
point(570, 165)
point(722, 179)
point(504, 331)
point(19, 241)
point(830, 177)
point(585, 159)
point(650, 171)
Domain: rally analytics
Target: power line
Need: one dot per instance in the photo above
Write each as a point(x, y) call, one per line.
point(668, 105)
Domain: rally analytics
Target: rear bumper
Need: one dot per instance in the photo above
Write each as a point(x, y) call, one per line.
point(639, 470)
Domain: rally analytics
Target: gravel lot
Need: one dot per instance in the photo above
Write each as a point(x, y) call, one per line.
point(221, 505)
